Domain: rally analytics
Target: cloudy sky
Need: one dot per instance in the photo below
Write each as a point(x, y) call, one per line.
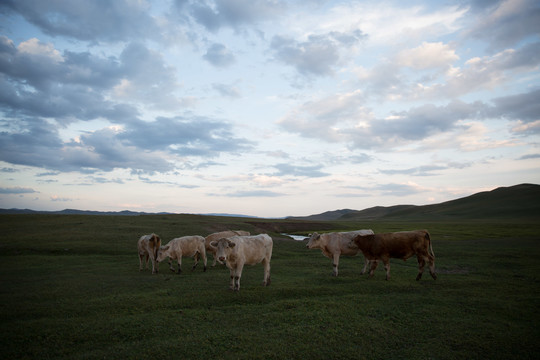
point(265, 107)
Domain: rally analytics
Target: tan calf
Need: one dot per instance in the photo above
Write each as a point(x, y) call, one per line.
point(237, 251)
point(186, 246)
point(218, 235)
point(148, 246)
point(398, 245)
point(333, 245)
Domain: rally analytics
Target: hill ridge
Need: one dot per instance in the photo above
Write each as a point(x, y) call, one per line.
point(518, 202)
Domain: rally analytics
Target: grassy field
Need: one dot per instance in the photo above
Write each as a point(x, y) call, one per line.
point(71, 289)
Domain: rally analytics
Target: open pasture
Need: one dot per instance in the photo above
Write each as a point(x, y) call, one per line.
point(71, 289)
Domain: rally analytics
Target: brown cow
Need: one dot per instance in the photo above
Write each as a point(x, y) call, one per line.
point(148, 246)
point(218, 235)
point(333, 245)
point(398, 245)
point(238, 251)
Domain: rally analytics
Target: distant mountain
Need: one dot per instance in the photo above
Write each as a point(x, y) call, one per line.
point(514, 202)
point(77, 212)
point(325, 216)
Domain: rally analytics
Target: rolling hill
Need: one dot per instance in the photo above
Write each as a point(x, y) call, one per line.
point(515, 202)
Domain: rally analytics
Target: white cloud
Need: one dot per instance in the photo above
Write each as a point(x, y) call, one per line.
point(428, 56)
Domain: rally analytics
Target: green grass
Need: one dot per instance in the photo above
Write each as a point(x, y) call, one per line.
point(71, 289)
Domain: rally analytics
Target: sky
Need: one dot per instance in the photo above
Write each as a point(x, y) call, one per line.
point(266, 108)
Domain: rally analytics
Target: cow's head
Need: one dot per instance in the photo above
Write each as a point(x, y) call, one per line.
point(223, 249)
point(162, 253)
point(314, 241)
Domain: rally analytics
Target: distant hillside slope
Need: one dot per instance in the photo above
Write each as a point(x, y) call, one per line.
point(325, 216)
point(519, 202)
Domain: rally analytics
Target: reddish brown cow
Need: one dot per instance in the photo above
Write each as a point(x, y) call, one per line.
point(399, 245)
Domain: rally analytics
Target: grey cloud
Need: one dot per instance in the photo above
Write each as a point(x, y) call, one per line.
point(218, 55)
point(524, 107)
point(103, 20)
point(198, 136)
point(216, 14)
point(529, 156)
point(226, 90)
point(17, 190)
point(254, 193)
point(317, 56)
point(424, 170)
point(506, 23)
point(76, 88)
point(396, 189)
point(296, 170)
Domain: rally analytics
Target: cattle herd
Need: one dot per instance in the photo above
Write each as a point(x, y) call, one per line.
point(238, 248)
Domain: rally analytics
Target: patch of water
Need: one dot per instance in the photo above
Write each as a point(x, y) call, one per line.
point(295, 237)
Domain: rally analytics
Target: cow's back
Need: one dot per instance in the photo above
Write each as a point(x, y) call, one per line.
point(341, 241)
point(223, 234)
point(254, 248)
point(188, 245)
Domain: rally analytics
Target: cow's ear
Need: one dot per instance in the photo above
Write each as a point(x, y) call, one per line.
point(213, 243)
point(165, 248)
point(231, 244)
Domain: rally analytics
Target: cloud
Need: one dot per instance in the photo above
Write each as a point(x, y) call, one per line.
point(428, 56)
point(197, 136)
point(254, 193)
point(109, 21)
point(507, 23)
point(219, 56)
point(214, 15)
point(398, 189)
point(226, 90)
point(299, 171)
point(318, 55)
point(342, 118)
point(61, 199)
point(17, 190)
point(524, 107)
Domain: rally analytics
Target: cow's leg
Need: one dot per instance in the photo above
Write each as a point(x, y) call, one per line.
point(204, 260)
point(266, 264)
point(141, 256)
point(154, 268)
point(374, 264)
point(233, 273)
point(146, 256)
point(196, 258)
point(179, 259)
point(366, 264)
point(421, 264)
point(431, 261)
point(237, 276)
point(335, 264)
point(387, 268)
point(170, 265)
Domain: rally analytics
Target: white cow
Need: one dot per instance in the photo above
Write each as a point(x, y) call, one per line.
point(218, 235)
point(335, 244)
point(237, 251)
point(185, 246)
point(148, 246)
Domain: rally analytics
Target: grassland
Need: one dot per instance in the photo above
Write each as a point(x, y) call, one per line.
point(71, 289)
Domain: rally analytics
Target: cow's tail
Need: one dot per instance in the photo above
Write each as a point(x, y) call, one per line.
point(428, 238)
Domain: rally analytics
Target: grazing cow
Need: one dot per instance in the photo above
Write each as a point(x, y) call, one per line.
point(218, 235)
point(185, 246)
point(399, 245)
point(237, 251)
point(148, 246)
point(335, 244)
